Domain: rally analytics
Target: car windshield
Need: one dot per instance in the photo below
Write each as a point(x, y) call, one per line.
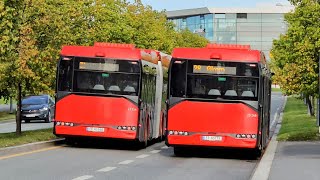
point(35, 100)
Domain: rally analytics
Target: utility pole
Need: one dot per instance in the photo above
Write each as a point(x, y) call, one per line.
point(318, 101)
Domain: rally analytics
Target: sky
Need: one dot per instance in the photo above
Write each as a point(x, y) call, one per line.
point(188, 4)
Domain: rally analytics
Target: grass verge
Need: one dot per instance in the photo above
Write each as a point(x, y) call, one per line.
point(276, 90)
point(297, 125)
point(7, 116)
point(11, 139)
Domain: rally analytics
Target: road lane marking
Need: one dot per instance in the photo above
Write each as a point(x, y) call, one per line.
point(106, 169)
point(164, 147)
point(142, 156)
point(155, 151)
point(126, 162)
point(83, 177)
point(30, 152)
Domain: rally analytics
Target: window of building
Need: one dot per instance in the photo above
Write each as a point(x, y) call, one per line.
point(242, 15)
point(220, 16)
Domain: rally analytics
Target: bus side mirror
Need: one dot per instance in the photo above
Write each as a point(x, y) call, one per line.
point(167, 102)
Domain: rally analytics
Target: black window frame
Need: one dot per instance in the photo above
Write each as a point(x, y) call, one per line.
point(257, 77)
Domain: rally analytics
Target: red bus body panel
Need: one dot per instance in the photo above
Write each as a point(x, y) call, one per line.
point(207, 54)
point(212, 119)
point(106, 52)
point(95, 111)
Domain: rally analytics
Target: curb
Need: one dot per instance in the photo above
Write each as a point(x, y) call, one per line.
point(263, 169)
point(30, 147)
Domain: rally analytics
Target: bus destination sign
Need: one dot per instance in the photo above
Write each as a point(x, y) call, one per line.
point(214, 69)
point(99, 66)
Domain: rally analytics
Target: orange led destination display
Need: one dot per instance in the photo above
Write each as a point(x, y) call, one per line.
point(214, 69)
point(99, 66)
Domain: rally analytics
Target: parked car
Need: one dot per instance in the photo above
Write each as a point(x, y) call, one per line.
point(39, 107)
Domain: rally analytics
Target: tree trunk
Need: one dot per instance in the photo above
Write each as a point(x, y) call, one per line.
point(11, 108)
point(310, 107)
point(18, 115)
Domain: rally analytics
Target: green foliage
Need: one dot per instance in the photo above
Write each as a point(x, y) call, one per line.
point(295, 54)
point(188, 39)
point(33, 32)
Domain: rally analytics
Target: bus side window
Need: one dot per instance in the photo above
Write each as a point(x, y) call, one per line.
point(65, 75)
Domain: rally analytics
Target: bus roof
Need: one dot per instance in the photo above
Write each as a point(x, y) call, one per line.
point(241, 53)
point(116, 51)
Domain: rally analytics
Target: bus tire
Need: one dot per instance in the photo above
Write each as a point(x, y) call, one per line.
point(257, 153)
point(69, 141)
point(179, 152)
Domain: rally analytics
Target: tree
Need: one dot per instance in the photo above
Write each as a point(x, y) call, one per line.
point(33, 33)
point(295, 54)
point(186, 38)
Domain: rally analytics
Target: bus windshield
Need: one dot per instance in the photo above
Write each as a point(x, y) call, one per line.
point(98, 75)
point(214, 80)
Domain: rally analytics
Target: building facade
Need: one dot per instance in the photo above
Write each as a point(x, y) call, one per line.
point(256, 27)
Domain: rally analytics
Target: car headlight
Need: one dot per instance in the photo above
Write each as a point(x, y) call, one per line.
point(44, 109)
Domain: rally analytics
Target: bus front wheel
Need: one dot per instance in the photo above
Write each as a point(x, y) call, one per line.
point(179, 151)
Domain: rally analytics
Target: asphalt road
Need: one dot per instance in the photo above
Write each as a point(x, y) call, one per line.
point(7, 127)
point(117, 161)
point(277, 101)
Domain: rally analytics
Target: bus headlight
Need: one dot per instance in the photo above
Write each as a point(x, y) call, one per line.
point(180, 133)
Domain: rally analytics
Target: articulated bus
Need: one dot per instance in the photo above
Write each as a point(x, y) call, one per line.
point(109, 91)
point(218, 96)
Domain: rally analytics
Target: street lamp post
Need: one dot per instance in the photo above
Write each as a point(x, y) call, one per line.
point(318, 102)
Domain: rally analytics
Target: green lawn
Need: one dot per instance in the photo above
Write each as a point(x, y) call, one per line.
point(7, 116)
point(10, 139)
point(276, 90)
point(297, 125)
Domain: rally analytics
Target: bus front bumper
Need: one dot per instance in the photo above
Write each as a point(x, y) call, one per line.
point(201, 140)
point(102, 132)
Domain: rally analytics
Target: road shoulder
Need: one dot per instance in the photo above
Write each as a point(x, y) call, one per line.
point(8, 151)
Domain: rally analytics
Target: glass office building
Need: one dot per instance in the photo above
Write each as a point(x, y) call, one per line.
point(256, 27)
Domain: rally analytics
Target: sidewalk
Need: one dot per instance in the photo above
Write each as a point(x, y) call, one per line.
point(296, 161)
point(289, 160)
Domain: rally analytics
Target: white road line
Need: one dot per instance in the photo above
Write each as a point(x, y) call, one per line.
point(164, 147)
point(142, 156)
point(106, 169)
point(155, 151)
point(126, 162)
point(274, 120)
point(83, 177)
point(275, 117)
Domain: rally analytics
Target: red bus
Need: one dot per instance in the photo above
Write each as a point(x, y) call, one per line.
point(218, 96)
point(109, 91)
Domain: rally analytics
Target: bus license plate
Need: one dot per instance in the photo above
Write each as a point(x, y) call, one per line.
point(95, 129)
point(212, 138)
